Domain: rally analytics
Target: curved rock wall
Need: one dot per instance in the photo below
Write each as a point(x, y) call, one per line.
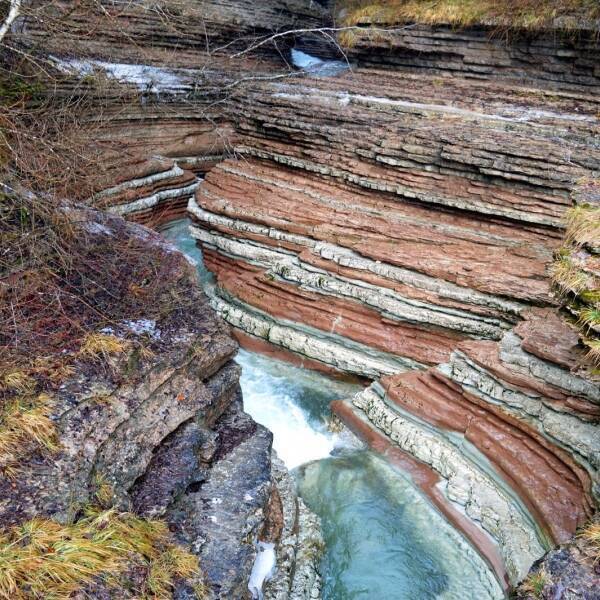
point(393, 222)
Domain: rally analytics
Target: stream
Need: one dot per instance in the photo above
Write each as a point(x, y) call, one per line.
point(384, 540)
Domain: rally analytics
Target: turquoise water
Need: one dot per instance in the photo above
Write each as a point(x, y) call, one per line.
point(384, 540)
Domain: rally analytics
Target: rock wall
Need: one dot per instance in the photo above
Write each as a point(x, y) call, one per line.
point(400, 222)
point(549, 59)
point(161, 427)
point(397, 220)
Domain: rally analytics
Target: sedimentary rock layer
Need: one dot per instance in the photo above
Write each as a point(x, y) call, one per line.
point(496, 424)
point(553, 59)
point(384, 232)
point(397, 220)
point(401, 224)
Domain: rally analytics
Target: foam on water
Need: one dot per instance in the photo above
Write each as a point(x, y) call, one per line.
point(271, 391)
point(263, 568)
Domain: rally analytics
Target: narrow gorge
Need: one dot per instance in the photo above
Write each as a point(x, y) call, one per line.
point(393, 208)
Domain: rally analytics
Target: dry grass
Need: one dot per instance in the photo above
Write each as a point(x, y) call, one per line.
point(515, 14)
point(102, 345)
point(575, 275)
point(591, 536)
point(25, 424)
point(61, 286)
point(44, 559)
point(583, 226)
point(593, 350)
point(567, 275)
point(18, 381)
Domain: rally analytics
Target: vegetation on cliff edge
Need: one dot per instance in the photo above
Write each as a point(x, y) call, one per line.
point(515, 14)
point(576, 269)
point(42, 558)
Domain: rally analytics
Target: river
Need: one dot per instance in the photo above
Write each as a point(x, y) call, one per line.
point(384, 540)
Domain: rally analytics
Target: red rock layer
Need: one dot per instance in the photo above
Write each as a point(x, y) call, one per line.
point(554, 487)
point(345, 318)
point(491, 257)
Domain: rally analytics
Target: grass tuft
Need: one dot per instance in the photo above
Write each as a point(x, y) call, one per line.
point(590, 317)
point(44, 559)
point(18, 381)
point(567, 276)
point(24, 424)
point(575, 272)
point(96, 345)
point(591, 536)
point(593, 350)
point(535, 583)
point(583, 226)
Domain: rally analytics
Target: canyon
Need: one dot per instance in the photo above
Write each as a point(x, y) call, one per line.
point(391, 212)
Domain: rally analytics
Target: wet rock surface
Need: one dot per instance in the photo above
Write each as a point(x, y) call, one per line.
point(222, 516)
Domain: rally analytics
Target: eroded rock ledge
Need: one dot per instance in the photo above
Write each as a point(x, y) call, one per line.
point(160, 431)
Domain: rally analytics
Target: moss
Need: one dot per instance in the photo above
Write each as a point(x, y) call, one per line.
point(15, 89)
point(104, 492)
point(44, 559)
point(590, 296)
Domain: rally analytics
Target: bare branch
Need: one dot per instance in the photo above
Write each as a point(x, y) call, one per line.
point(325, 31)
point(13, 13)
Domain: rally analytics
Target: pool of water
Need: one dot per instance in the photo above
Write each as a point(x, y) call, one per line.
point(384, 540)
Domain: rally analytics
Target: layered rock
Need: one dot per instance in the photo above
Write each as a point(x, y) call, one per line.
point(398, 220)
point(500, 426)
point(151, 81)
point(161, 427)
point(551, 58)
point(382, 233)
point(399, 224)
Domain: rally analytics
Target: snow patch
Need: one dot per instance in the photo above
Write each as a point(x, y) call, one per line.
point(146, 77)
point(263, 568)
point(143, 326)
point(304, 61)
